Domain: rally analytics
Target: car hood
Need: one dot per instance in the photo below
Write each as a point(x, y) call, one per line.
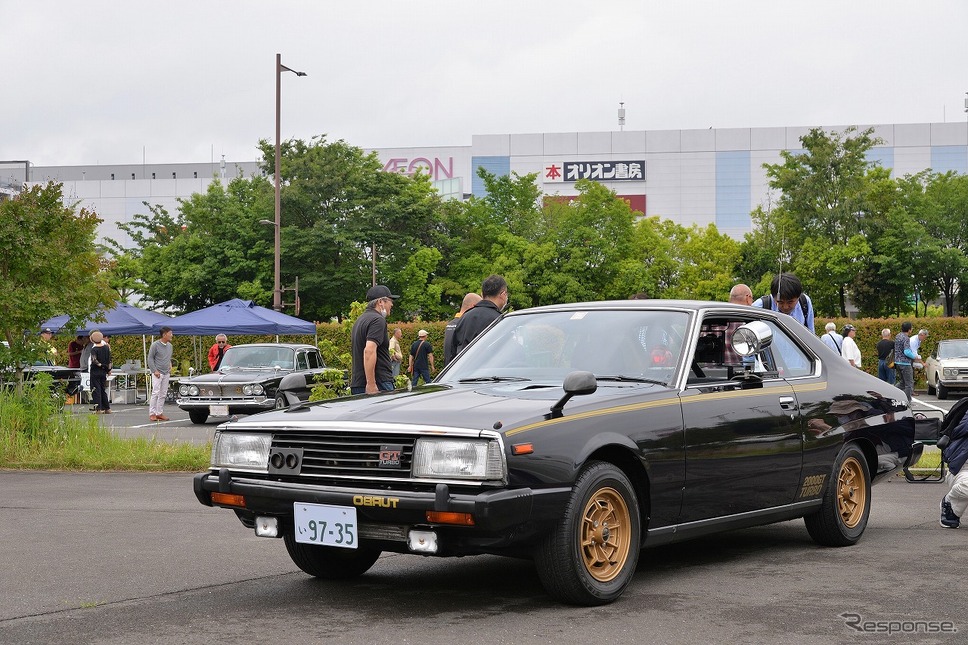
point(483, 407)
point(952, 362)
point(237, 376)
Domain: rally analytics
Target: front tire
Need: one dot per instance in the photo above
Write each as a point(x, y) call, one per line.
point(198, 416)
point(590, 556)
point(942, 392)
point(330, 562)
point(281, 401)
point(846, 506)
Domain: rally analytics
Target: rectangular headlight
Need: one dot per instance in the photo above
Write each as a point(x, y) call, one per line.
point(438, 458)
point(950, 372)
point(241, 451)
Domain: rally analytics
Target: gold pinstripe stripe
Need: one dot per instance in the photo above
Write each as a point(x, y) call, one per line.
point(632, 407)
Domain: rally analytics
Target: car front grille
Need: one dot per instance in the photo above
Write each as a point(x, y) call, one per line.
point(334, 454)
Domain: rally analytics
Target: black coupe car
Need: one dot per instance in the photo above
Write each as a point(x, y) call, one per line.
point(252, 378)
point(575, 435)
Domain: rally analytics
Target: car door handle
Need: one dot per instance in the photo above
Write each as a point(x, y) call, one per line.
point(788, 403)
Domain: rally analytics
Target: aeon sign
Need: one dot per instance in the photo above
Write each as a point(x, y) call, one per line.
point(437, 169)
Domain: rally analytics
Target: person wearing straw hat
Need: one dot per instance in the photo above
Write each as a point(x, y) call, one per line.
point(421, 358)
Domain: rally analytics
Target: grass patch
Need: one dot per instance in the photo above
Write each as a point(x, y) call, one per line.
point(36, 434)
point(930, 460)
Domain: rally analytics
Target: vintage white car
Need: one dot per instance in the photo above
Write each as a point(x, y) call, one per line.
point(947, 367)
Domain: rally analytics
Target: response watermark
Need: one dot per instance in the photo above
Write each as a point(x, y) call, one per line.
point(890, 627)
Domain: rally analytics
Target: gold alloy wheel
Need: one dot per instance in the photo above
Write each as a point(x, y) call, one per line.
point(851, 492)
point(604, 533)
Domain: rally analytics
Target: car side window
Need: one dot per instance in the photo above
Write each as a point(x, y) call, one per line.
point(714, 360)
point(790, 359)
point(302, 362)
point(315, 361)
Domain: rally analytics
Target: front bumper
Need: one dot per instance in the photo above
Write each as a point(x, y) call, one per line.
point(501, 516)
point(252, 404)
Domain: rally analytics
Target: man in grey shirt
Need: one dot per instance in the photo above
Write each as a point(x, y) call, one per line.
point(159, 364)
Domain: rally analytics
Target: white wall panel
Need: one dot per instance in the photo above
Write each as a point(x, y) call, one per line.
point(767, 138)
point(949, 134)
point(491, 145)
point(698, 140)
point(561, 143)
point(594, 143)
point(527, 144)
point(732, 139)
point(628, 142)
point(912, 134)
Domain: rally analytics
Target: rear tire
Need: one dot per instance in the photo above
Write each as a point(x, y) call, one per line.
point(281, 401)
point(198, 416)
point(846, 506)
point(330, 562)
point(590, 556)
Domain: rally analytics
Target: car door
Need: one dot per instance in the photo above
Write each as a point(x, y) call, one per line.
point(743, 439)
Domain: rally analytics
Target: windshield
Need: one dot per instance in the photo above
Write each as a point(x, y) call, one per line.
point(242, 357)
point(619, 346)
point(953, 349)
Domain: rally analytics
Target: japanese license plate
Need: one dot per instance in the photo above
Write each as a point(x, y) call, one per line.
point(326, 525)
point(218, 410)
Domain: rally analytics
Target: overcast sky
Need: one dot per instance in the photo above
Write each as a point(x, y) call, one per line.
point(109, 82)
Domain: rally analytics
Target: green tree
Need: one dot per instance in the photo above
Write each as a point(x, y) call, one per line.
point(824, 195)
point(212, 251)
point(49, 266)
point(943, 213)
point(337, 207)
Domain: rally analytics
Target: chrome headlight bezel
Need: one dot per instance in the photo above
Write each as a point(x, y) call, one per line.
point(468, 459)
point(252, 389)
point(949, 372)
point(242, 451)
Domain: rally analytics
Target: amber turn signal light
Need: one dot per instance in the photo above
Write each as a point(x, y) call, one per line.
point(441, 517)
point(228, 499)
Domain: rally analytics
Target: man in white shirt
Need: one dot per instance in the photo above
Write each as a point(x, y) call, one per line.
point(917, 340)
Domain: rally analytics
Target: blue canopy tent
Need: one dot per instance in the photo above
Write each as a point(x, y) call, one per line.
point(237, 317)
point(234, 317)
point(122, 320)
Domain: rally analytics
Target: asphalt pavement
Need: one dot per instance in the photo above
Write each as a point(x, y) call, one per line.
point(134, 558)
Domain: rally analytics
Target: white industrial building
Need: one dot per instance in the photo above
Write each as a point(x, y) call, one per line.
point(712, 176)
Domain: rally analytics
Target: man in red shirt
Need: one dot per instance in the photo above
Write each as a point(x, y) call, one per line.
point(217, 351)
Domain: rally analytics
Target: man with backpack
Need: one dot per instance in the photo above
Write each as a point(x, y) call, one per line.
point(786, 296)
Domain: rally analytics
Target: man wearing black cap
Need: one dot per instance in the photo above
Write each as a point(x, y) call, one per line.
point(372, 369)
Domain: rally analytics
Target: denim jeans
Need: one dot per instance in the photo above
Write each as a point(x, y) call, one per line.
point(384, 386)
point(884, 372)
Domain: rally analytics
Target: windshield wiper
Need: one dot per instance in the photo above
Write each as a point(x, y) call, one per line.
point(492, 379)
point(628, 379)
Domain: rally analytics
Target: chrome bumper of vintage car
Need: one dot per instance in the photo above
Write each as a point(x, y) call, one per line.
point(259, 402)
point(493, 510)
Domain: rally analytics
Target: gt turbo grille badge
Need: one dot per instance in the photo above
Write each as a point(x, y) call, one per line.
point(350, 455)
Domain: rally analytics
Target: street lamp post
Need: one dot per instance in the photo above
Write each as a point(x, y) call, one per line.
point(277, 284)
